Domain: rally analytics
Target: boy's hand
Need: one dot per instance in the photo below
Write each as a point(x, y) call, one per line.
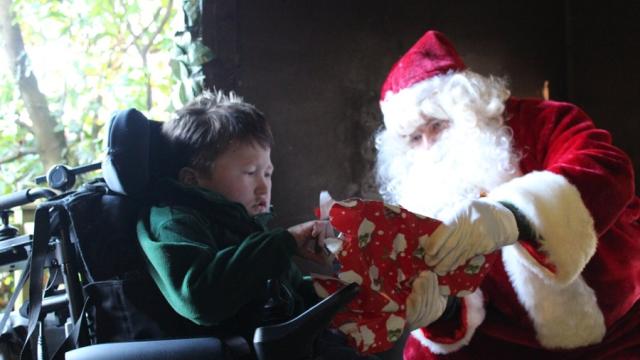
point(307, 238)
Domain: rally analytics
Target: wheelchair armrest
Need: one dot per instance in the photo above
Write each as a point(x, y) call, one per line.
point(294, 339)
point(194, 348)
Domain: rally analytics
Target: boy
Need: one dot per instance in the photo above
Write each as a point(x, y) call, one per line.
point(205, 238)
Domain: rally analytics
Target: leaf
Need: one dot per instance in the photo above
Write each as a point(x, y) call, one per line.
point(192, 12)
point(182, 92)
point(200, 54)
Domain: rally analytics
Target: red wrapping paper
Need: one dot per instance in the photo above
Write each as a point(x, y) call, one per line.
point(382, 250)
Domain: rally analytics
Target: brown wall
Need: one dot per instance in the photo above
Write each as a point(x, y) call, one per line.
point(604, 76)
point(316, 67)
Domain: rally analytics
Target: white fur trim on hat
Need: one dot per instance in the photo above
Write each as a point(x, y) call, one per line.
point(557, 213)
point(402, 110)
point(474, 304)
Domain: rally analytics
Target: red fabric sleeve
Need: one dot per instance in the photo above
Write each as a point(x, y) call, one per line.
point(561, 138)
point(448, 331)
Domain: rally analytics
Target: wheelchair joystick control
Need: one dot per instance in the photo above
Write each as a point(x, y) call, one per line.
point(7, 231)
point(275, 310)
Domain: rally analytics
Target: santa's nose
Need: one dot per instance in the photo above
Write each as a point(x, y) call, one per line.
point(422, 141)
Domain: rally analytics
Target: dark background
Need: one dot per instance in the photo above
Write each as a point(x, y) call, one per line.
point(316, 67)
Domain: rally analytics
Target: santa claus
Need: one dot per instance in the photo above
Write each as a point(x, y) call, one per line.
point(534, 179)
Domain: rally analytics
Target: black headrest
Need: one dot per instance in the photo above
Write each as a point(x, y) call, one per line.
point(134, 145)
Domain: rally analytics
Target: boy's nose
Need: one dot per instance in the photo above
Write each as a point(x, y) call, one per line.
point(262, 187)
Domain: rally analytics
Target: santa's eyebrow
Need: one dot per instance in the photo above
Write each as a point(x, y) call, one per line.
point(430, 119)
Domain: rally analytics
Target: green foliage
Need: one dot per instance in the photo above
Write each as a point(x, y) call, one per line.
point(7, 281)
point(90, 57)
point(190, 55)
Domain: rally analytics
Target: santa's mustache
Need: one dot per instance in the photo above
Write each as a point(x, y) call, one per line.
point(463, 164)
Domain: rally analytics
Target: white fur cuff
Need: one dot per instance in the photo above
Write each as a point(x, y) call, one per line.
point(475, 314)
point(564, 316)
point(557, 213)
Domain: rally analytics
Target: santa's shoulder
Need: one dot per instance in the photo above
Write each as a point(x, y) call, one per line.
point(531, 111)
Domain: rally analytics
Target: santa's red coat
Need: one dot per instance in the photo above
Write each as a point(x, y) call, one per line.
point(575, 293)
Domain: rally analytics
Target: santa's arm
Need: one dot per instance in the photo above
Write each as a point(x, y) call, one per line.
point(579, 185)
point(582, 184)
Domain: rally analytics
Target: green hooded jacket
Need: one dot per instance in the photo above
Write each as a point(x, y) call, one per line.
point(211, 260)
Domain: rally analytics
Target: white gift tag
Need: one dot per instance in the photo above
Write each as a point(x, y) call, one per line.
point(327, 236)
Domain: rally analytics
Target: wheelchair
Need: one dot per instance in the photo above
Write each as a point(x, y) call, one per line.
point(88, 235)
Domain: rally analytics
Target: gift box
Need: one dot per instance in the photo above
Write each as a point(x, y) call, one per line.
point(381, 247)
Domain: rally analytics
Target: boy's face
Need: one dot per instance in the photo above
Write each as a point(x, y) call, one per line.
point(241, 174)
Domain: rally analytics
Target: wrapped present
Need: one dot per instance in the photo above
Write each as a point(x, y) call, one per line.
point(381, 247)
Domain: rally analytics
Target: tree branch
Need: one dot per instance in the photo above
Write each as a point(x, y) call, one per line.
point(21, 153)
point(150, 43)
point(24, 125)
point(136, 37)
point(50, 143)
point(161, 26)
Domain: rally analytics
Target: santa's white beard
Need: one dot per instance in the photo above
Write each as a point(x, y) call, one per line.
point(463, 164)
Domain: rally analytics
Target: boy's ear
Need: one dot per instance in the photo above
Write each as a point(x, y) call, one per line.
point(187, 176)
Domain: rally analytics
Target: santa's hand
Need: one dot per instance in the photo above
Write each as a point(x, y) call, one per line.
point(425, 304)
point(476, 227)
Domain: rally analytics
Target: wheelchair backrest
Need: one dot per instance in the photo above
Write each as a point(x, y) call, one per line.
point(136, 153)
point(103, 214)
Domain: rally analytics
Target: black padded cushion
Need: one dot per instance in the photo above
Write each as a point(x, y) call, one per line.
point(192, 349)
point(135, 149)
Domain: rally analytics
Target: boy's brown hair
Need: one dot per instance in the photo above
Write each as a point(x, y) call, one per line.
point(205, 127)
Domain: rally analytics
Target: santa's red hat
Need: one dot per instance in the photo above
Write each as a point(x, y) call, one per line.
point(431, 56)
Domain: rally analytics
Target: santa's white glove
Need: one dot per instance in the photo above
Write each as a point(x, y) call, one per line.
point(476, 227)
point(425, 304)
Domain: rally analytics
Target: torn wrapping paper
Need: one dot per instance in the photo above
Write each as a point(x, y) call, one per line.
point(381, 247)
